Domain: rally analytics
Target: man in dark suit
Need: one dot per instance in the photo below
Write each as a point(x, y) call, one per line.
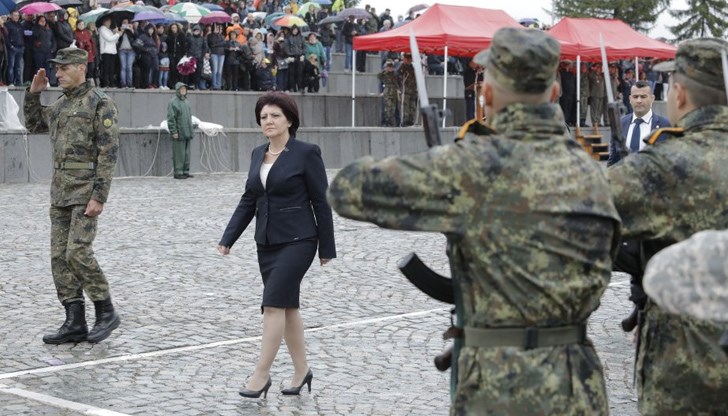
point(637, 125)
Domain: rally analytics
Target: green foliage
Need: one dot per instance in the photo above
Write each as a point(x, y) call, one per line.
point(702, 18)
point(640, 14)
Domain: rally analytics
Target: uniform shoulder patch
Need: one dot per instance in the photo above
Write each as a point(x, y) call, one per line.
point(100, 93)
point(667, 132)
point(108, 123)
point(476, 127)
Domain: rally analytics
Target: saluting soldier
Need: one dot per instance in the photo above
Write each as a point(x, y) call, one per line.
point(531, 229)
point(665, 193)
point(84, 134)
point(391, 93)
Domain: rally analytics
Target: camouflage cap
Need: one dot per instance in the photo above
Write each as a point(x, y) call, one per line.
point(70, 56)
point(691, 277)
point(700, 60)
point(524, 59)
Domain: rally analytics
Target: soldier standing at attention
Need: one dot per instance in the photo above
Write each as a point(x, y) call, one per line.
point(531, 229)
point(84, 132)
point(665, 193)
point(391, 93)
point(406, 74)
point(179, 123)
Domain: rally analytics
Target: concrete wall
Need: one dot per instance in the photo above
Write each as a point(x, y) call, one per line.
point(142, 108)
point(146, 152)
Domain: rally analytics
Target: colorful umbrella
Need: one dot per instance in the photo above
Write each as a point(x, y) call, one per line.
point(289, 20)
point(273, 16)
point(212, 7)
point(149, 15)
point(172, 17)
point(357, 13)
point(39, 8)
point(215, 17)
point(91, 16)
point(308, 7)
point(190, 11)
point(6, 7)
point(323, 2)
point(259, 15)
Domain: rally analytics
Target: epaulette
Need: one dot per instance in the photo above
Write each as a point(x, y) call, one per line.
point(668, 131)
point(102, 95)
point(474, 126)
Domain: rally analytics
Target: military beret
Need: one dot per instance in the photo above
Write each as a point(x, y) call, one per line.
point(70, 56)
point(700, 60)
point(691, 277)
point(524, 59)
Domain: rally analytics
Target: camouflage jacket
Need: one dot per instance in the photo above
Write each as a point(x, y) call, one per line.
point(531, 228)
point(83, 127)
point(389, 80)
point(406, 74)
point(668, 192)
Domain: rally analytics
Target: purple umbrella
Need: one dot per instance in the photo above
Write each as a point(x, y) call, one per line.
point(215, 17)
point(148, 15)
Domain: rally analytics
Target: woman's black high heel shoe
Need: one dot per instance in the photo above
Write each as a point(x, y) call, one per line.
point(295, 391)
point(254, 394)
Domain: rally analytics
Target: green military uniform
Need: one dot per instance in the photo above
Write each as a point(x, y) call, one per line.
point(583, 96)
point(664, 194)
point(531, 229)
point(179, 121)
point(597, 94)
point(406, 74)
point(391, 94)
point(84, 131)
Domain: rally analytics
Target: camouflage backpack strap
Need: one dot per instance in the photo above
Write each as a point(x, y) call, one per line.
point(475, 126)
point(667, 131)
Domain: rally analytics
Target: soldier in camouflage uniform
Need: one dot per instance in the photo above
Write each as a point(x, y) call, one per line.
point(597, 93)
point(391, 93)
point(84, 134)
point(583, 94)
point(531, 229)
point(691, 277)
point(664, 194)
point(406, 74)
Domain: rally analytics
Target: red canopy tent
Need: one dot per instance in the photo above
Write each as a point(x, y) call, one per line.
point(459, 30)
point(580, 37)
point(440, 30)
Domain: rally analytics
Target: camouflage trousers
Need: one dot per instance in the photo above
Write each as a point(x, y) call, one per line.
point(597, 108)
point(681, 369)
point(561, 380)
point(391, 101)
point(409, 108)
point(583, 107)
point(74, 267)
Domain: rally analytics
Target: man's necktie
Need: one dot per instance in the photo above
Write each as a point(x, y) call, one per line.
point(634, 143)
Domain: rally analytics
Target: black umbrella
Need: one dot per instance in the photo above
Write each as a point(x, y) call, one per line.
point(67, 3)
point(330, 19)
point(116, 15)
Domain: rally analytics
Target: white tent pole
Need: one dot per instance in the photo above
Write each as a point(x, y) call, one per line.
point(578, 92)
point(353, 89)
point(444, 91)
point(636, 70)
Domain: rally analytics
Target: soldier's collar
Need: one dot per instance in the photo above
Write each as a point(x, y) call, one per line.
point(79, 90)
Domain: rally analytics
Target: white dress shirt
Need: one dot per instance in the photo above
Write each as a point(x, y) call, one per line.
point(264, 169)
point(645, 129)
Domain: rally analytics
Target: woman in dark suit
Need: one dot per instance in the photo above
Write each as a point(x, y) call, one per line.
point(286, 192)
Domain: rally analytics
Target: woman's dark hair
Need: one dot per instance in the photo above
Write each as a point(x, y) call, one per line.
point(285, 103)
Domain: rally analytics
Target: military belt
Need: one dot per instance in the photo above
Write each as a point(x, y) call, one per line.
point(74, 165)
point(527, 338)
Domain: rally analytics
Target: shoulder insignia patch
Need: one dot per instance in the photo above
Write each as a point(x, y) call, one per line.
point(108, 123)
point(667, 131)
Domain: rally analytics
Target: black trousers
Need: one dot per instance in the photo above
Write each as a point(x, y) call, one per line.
point(108, 64)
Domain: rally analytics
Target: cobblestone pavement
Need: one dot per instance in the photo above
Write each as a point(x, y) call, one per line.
point(191, 320)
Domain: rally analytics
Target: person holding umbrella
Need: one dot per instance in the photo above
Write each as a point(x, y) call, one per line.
point(107, 48)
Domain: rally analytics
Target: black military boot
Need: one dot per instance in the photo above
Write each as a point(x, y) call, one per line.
point(107, 320)
point(74, 329)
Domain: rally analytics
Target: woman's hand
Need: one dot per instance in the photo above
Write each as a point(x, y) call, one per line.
point(324, 261)
point(223, 250)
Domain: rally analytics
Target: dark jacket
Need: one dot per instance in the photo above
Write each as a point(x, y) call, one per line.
point(176, 46)
point(196, 46)
point(64, 34)
point(327, 36)
point(264, 79)
point(43, 40)
point(216, 44)
point(294, 45)
point(658, 122)
point(292, 207)
point(149, 47)
point(14, 39)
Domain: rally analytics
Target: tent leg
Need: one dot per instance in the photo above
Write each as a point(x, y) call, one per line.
point(444, 92)
point(353, 89)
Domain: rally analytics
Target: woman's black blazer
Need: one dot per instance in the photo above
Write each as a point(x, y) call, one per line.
point(293, 204)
